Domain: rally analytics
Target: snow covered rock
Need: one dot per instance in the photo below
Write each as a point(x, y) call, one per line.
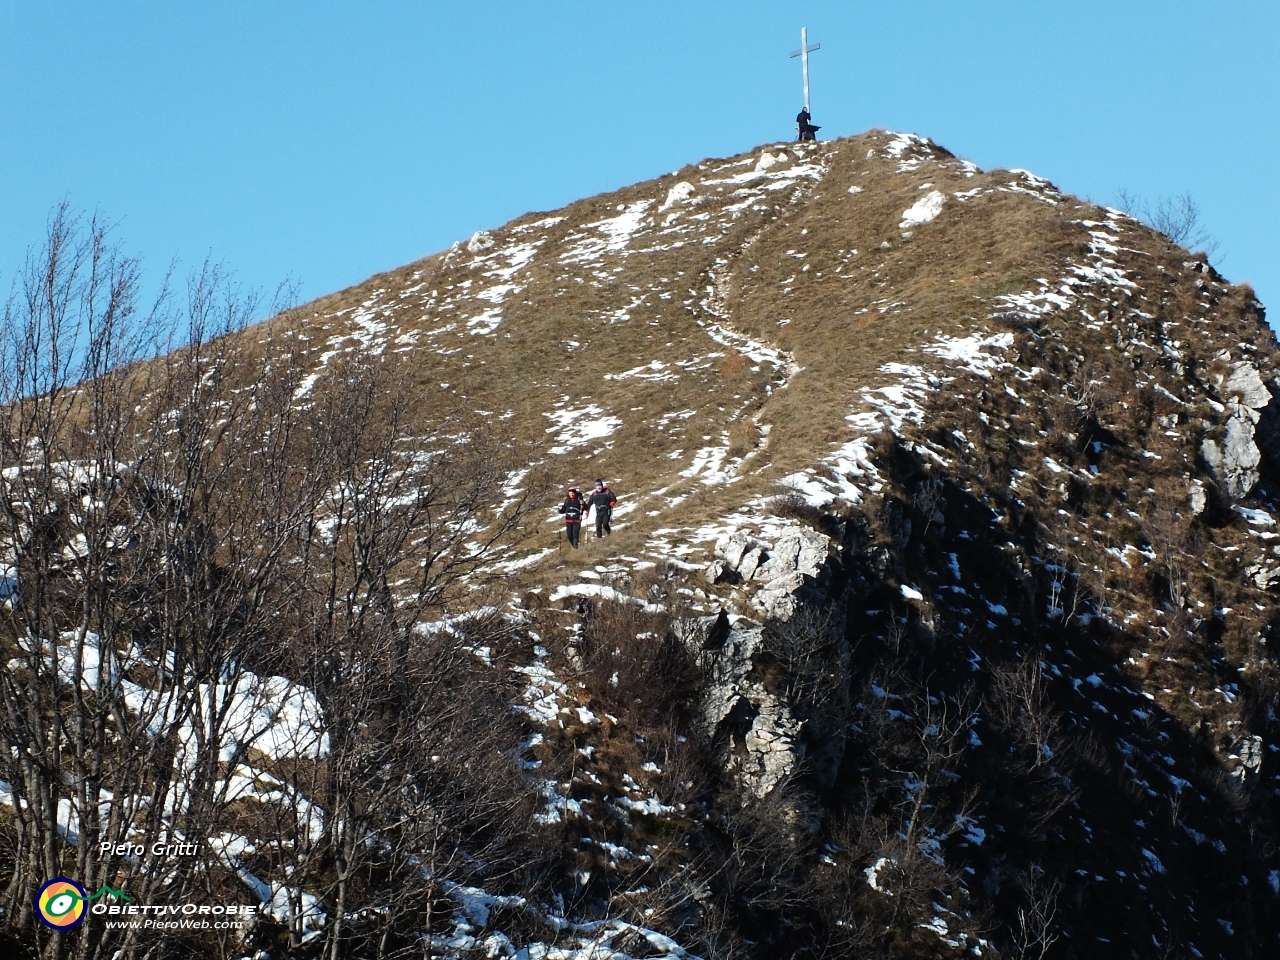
point(480, 241)
point(1264, 575)
point(718, 571)
point(751, 561)
point(798, 558)
point(923, 210)
point(1248, 757)
point(1235, 461)
point(728, 669)
point(782, 559)
point(1247, 387)
point(681, 191)
point(771, 746)
point(815, 549)
point(798, 550)
point(1197, 498)
point(768, 160)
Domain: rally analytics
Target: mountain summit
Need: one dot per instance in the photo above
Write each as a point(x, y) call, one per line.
point(934, 621)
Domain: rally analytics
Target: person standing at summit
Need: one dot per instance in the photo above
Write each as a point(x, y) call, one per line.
point(804, 129)
point(602, 501)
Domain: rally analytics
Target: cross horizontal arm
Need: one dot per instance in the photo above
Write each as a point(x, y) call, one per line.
point(809, 49)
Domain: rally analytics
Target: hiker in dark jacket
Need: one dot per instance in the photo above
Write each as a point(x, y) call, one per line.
point(602, 501)
point(572, 510)
point(804, 128)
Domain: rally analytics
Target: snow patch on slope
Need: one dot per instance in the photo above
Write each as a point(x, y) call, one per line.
point(923, 210)
point(573, 428)
point(848, 474)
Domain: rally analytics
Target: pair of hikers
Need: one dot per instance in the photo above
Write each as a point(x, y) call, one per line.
point(602, 501)
point(804, 128)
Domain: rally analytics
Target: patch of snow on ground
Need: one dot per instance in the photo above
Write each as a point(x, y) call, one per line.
point(753, 350)
point(655, 371)
point(1257, 518)
point(274, 715)
point(296, 910)
point(576, 427)
point(892, 406)
point(559, 808)
point(708, 463)
point(368, 333)
point(616, 234)
point(773, 180)
point(502, 265)
point(1101, 268)
point(972, 832)
point(543, 691)
point(647, 806)
point(602, 592)
point(923, 210)
point(909, 150)
point(968, 351)
point(873, 876)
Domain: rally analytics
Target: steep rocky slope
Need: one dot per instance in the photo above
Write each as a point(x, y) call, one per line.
point(936, 616)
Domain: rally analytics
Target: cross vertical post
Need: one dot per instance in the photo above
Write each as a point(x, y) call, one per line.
point(803, 54)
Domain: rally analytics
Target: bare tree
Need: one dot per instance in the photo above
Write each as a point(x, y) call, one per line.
point(220, 587)
point(920, 738)
point(1022, 706)
point(1178, 218)
point(1037, 930)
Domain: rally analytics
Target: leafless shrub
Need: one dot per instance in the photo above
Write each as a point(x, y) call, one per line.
point(633, 661)
point(928, 499)
point(794, 506)
point(805, 658)
point(1173, 540)
point(766, 855)
point(1037, 929)
point(1021, 705)
point(1061, 573)
point(1023, 709)
point(1178, 218)
point(1084, 393)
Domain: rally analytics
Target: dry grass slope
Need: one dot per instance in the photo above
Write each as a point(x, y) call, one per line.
point(606, 309)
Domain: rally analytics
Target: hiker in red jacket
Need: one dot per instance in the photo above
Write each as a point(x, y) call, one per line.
point(572, 510)
point(602, 501)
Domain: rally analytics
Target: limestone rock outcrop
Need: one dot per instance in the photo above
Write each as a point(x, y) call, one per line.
point(1236, 457)
point(764, 734)
point(782, 570)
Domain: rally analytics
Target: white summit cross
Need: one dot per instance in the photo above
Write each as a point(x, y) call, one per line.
point(803, 54)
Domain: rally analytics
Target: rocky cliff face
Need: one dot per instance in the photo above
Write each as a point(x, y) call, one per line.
point(936, 616)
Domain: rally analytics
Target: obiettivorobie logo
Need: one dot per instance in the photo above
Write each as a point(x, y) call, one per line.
point(60, 903)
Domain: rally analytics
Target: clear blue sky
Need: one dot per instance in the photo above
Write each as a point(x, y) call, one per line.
point(325, 141)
